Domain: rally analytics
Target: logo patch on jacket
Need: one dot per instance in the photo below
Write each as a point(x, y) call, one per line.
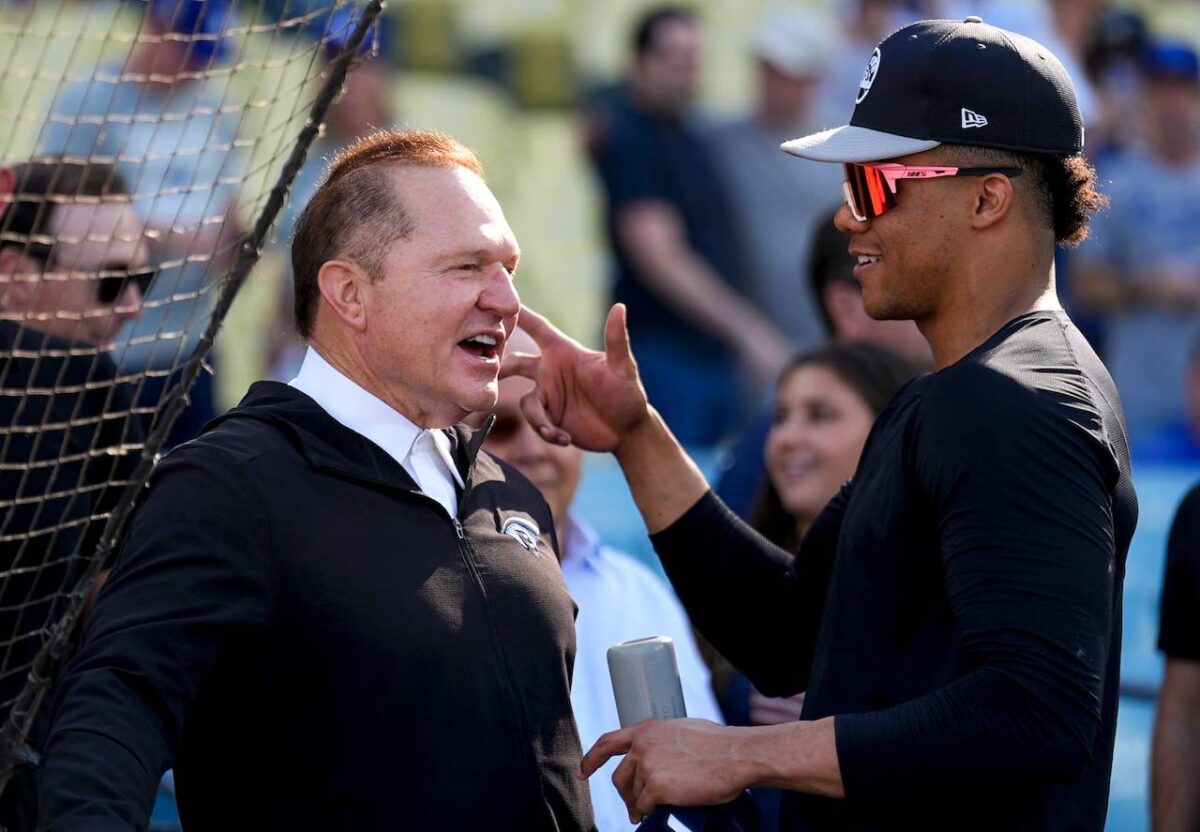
point(524, 532)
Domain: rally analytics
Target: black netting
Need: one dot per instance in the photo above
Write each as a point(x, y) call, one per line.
point(149, 145)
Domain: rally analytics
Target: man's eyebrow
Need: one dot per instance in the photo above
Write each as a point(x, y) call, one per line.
point(476, 254)
point(465, 254)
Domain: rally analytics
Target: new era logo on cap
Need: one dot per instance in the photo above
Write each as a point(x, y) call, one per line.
point(971, 118)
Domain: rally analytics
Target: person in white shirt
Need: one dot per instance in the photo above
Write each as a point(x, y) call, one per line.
point(619, 598)
point(332, 610)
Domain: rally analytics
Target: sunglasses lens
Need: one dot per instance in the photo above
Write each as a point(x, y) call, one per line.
point(868, 191)
point(110, 288)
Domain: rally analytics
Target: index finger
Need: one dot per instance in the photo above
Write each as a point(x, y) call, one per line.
point(607, 747)
point(541, 330)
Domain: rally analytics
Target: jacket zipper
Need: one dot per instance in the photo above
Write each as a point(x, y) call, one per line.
point(520, 723)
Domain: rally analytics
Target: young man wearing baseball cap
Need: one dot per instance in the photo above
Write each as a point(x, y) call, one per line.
point(954, 613)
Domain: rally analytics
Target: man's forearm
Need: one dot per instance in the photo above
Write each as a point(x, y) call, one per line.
point(696, 293)
point(663, 479)
point(1175, 778)
point(75, 793)
point(1099, 288)
point(668, 266)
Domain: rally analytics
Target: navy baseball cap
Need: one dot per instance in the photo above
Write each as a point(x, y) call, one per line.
point(954, 82)
point(1169, 61)
point(203, 22)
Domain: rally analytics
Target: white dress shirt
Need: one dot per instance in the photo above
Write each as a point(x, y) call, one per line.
point(424, 454)
point(619, 600)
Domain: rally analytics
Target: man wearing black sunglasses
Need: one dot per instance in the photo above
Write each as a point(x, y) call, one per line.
point(955, 612)
point(72, 268)
point(72, 253)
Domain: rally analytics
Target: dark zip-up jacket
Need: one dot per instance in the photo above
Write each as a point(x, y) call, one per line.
point(314, 644)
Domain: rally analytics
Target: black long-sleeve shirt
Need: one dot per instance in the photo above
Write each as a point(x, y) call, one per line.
point(1179, 613)
point(957, 606)
point(69, 443)
point(315, 645)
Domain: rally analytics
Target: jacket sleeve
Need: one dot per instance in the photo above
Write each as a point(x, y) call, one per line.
point(754, 601)
point(1023, 489)
point(192, 575)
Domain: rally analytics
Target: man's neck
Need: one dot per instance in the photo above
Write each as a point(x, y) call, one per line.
point(972, 317)
point(349, 363)
point(651, 105)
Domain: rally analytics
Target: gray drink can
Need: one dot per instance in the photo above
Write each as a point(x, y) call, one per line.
point(645, 680)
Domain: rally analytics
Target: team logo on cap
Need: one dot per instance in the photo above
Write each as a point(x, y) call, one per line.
point(868, 76)
point(524, 532)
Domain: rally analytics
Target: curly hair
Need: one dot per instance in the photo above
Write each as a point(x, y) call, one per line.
point(1064, 188)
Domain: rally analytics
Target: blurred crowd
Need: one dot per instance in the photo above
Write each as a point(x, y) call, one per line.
point(721, 246)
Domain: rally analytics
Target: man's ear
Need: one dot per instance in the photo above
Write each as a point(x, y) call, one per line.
point(17, 284)
point(342, 284)
point(993, 200)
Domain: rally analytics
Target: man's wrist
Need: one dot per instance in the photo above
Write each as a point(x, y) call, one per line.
point(640, 437)
point(799, 756)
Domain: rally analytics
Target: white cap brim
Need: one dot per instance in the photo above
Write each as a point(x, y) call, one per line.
point(854, 144)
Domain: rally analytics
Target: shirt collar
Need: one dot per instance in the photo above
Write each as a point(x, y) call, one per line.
point(364, 413)
point(582, 545)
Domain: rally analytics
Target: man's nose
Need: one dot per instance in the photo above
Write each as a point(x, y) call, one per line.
point(500, 293)
point(846, 223)
point(129, 305)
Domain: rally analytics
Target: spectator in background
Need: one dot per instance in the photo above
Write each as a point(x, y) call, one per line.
point(1142, 267)
point(68, 435)
point(363, 105)
point(619, 599)
point(839, 299)
point(864, 24)
point(1179, 441)
point(161, 119)
point(826, 401)
point(1062, 26)
point(777, 204)
point(1113, 62)
point(1175, 762)
point(678, 268)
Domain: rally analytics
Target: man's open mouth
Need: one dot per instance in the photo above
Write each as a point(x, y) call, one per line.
point(481, 346)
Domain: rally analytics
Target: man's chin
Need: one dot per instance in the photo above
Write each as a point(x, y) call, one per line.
point(883, 309)
point(482, 400)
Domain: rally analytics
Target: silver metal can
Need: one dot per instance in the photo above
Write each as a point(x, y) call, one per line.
point(645, 680)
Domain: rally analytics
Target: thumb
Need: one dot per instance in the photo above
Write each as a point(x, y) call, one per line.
point(617, 350)
point(520, 364)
